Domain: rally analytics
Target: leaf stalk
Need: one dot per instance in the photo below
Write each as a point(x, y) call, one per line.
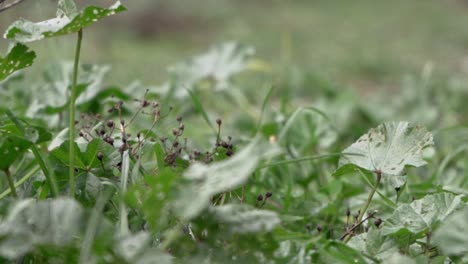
point(72, 114)
point(363, 210)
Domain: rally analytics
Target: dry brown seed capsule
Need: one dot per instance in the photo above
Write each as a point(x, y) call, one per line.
point(378, 222)
point(179, 119)
point(268, 194)
point(319, 228)
point(260, 197)
point(110, 123)
point(219, 121)
point(100, 156)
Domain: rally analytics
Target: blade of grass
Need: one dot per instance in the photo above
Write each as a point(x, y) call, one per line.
point(264, 103)
point(199, 107)
point(41, 160)
point(302, 159)
point(93, 223)
point(123, 217)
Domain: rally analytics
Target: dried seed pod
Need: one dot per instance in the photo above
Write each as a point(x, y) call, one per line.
point(100, 156)
point(260, 197)
point(110, 123)
point(378, 222)
point(319, 228)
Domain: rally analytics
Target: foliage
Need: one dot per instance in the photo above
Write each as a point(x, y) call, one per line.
point(155, 185)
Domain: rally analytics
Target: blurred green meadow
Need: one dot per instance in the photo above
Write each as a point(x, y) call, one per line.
point(364, 44)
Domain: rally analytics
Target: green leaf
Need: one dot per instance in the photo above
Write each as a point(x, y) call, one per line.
point(374, 244)
point(53, 97)
point(451, 236)
point(62, 153)
point(337, 252)
point(26, 31)
point(67, 8)
point(152, 195)
point(89, 156)
point(423, 214)
point(19, 57)
point(207, 180)
point(306, 130)
point(31, 224)
point(11, 148)
point(242, 218)
point(37, 134)
point(389, 148)
point(217, 65)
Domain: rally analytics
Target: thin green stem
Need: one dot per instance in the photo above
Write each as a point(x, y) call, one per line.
point(366, 205)
point(21, 181)
point(72, 114)
point(11, 183)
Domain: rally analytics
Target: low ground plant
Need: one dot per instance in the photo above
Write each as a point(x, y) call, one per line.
point(196, 171)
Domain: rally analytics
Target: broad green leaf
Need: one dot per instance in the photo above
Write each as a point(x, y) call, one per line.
point(389, 148)
point(86, 154)
point(374, 244)
point(89, 156)
point(26, 31)
point(11, 148)
point(207, 180)
point(337, 252)
point(423, 214)
point(397, 258)
point(53, 97)
point(67, 8)
point(19, 57)
point(58, 139)
point(37, 134)
point(241, 218)
point(31, 224)
point(451, 237)
point(217, 65)
point(152, 195)
point(307, 130)
point(62, 154)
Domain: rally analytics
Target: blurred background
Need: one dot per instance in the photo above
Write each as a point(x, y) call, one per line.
point(363, 44)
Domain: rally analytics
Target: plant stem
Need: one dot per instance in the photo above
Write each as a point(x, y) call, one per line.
point(72, 114)
point(366, 205)
point(21, 181)
point(11, 183)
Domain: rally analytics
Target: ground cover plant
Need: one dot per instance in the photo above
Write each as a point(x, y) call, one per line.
point(165, 174)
